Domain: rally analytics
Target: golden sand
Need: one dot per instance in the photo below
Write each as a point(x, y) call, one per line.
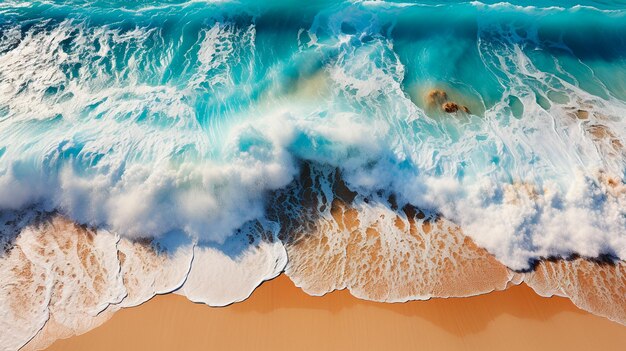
point(279, 316)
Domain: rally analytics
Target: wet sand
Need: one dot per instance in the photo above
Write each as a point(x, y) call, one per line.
point(279, 316)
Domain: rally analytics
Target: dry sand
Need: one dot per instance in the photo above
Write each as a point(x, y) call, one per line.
point(279, 316)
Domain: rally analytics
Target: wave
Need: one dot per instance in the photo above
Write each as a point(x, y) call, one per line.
point(132, 123)
point(200, 125)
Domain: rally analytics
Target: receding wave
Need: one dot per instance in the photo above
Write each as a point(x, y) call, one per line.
point(401, 150)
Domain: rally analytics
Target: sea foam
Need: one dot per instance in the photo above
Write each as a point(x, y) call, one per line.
point(145, 128)
point(167, 144)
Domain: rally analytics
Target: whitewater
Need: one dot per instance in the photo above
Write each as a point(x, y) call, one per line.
point(402, 150)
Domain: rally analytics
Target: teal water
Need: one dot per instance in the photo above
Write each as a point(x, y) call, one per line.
point(148, 117)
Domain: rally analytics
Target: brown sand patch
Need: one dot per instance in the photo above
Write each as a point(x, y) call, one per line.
point(578, 113)
point(601, 133)
point(19, 292)
point(614, 185)
point(582, 114)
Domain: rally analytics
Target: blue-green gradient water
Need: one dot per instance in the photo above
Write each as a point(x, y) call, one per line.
point(152, 117)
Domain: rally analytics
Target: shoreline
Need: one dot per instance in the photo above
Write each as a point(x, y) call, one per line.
point(278, 315)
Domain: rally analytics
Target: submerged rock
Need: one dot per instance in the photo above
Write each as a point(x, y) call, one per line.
point(438, 97)
point(450, 107)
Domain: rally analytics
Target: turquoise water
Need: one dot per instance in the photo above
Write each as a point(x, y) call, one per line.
point(147, 117)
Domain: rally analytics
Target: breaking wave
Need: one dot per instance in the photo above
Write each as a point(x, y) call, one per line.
point(362, 139)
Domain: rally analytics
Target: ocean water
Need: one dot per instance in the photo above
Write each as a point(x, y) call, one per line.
point(236, 134)
point(149, 117)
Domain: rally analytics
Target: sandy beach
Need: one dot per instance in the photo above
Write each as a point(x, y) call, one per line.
point(279, 316)
point(306, 168)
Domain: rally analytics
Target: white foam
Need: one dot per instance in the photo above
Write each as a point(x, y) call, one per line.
point(147, 272)
point(219, 280)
